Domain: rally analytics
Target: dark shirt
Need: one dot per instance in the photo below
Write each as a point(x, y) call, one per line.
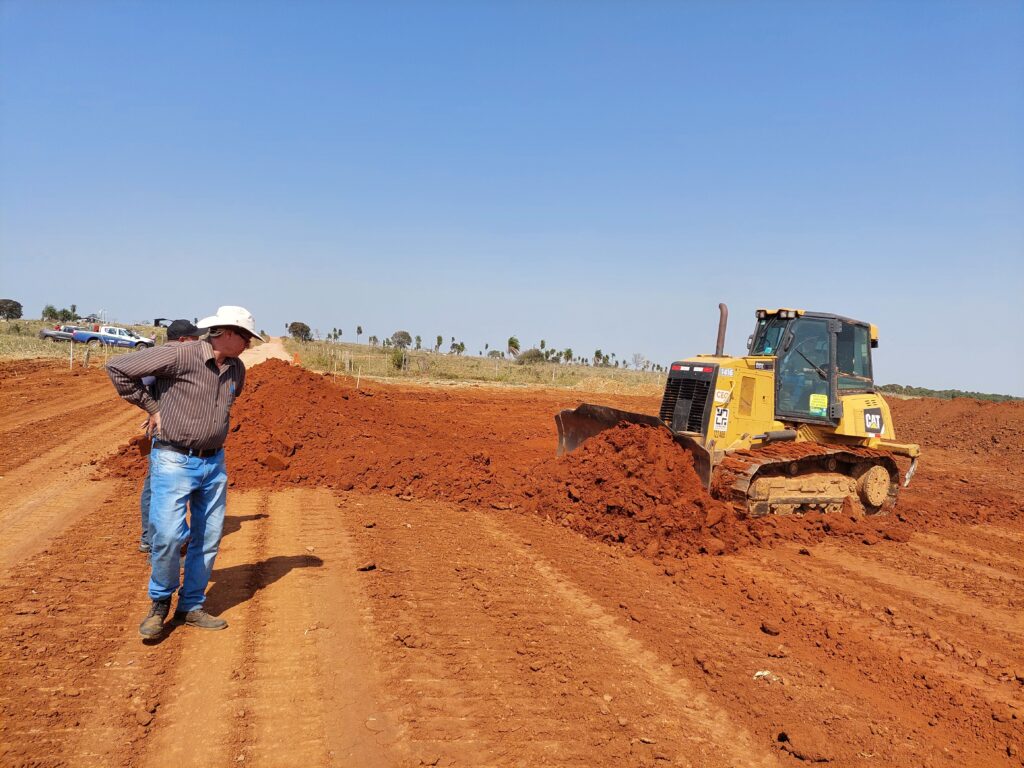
point(195, 396)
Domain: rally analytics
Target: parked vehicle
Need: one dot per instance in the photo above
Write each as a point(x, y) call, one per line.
point(112, 336)
point(58, 333)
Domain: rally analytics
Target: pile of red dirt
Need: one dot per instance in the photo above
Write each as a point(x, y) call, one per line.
point(975, 427)
point(634, 484)
point(485, 447)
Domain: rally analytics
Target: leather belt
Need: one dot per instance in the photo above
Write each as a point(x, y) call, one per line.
point(203, 454)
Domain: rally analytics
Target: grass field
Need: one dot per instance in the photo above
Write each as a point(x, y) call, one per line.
point(19, 340)
point(422, 365)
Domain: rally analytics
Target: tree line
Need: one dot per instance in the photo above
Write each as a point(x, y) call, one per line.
point(944, 394)
point(511, 349)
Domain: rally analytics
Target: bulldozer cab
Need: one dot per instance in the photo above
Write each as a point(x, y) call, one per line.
point(819, 358)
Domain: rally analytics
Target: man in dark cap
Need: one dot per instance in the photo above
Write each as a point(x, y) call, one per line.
point(179, 330)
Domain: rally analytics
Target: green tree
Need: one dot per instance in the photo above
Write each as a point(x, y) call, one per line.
point(50, 312)
point(542, 343)
point(513, 346)
point(359, 332)
point(567, 355)
point(401, 339)
point(495, 353)
point(373, 341)
point(438, 342)
point(300, 331)
point(10, 309)
point(419, 342)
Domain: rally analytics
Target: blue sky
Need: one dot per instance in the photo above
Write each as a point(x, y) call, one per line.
point(595, 174)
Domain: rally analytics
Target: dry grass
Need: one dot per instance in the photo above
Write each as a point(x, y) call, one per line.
point(428, 367)
point(19, 340)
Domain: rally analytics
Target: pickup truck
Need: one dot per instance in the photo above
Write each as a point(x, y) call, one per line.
point(58, 333)
point(112, 336)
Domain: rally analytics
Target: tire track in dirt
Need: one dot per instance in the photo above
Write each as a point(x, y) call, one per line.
point(55, 486)
point(268, 686)
point(910, 623)
point(839, 672)
point(337, 617)
point(922, 589)
point(498, 659)
point(710, 728)
point(15, 420)
point(990, 563)
point(74, 681)
point(889, 649)
point(207, 685)
point(995, 581)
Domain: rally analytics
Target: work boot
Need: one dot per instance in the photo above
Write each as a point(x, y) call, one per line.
point(199, 618)
point(153, 624)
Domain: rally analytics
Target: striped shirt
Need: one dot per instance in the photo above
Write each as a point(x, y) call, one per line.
point(195, 396)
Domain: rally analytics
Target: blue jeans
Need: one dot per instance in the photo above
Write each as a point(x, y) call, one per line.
point(144, 503)
point(176, 481)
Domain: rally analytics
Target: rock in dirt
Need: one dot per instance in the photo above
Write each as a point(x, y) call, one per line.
point(367, 567)
point(275, 462)
point(769, 629)
point(805, 743)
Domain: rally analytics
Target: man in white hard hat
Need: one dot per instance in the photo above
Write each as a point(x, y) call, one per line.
point(196, 383)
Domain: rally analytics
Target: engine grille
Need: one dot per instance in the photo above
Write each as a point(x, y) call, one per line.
point(689, 396)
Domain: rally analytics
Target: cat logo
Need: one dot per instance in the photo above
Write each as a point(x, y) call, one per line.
point(873, 421)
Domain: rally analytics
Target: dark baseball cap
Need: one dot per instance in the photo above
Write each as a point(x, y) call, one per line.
point(180, 328)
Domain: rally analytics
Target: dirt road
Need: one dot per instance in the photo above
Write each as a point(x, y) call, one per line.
point(409, 582)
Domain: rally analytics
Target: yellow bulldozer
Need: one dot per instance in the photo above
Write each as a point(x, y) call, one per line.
point(796, 425)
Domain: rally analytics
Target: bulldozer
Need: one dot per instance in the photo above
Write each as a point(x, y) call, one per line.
point(794, 426)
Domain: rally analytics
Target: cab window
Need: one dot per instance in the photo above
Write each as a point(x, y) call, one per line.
point(803, 370)
point(853, 357)
point(768, 336)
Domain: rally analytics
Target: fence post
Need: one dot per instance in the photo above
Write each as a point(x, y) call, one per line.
point(358, 376)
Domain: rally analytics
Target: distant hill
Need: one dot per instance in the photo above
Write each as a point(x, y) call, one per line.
point(944, 394)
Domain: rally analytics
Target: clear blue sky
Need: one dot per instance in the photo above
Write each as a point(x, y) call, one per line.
point(595, 174)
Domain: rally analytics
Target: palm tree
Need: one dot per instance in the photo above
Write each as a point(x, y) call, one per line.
point(567, 355)
point(419, 341)
point(359, 332)
point(438, 342)
point(513, 346)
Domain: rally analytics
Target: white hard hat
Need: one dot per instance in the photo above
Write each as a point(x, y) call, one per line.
point(232, 317)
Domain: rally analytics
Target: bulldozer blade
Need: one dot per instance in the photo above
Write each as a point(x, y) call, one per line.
point(577, 426)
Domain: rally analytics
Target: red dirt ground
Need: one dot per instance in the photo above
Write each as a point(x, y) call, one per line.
point(412, 578)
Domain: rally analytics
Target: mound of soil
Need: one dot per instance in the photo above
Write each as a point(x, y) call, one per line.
point(631, 485)
point(970, 426)
point(634, 484)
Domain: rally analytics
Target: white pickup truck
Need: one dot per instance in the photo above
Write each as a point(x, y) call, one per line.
point(112, 336)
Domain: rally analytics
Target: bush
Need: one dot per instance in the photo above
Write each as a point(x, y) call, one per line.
point(530, 357)
point(398, 359)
